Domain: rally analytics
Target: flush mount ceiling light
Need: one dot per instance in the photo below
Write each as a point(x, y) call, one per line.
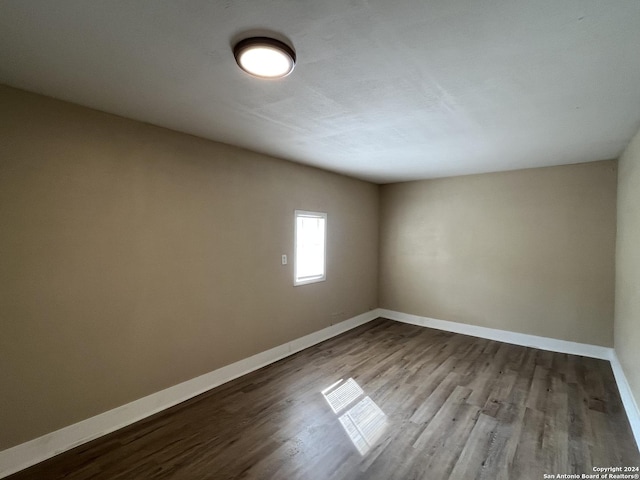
point(265, 57)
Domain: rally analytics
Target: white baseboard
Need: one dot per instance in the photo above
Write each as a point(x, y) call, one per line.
point(523, 339)
point(35, 451)
point(629, 402)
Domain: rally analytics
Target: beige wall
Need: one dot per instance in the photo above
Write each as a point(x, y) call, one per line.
point(528, 251)
point(627, 318)
point(134, 258)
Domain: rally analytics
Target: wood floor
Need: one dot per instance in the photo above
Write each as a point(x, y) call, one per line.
point(433, 405)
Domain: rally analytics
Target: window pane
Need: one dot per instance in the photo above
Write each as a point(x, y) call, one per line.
point(310, 246)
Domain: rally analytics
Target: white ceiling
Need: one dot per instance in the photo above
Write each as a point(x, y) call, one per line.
point(383, 90)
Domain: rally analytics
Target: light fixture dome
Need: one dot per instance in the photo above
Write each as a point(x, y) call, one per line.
point(265, 57)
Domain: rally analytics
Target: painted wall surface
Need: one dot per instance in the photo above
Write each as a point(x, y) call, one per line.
point(134, 258)
point(529, 251)
point(627, 317)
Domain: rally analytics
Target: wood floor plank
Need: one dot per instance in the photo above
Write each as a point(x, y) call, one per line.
point(454, 407)
point(472, 460)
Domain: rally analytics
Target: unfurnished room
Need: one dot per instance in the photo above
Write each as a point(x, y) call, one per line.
point(319, 240)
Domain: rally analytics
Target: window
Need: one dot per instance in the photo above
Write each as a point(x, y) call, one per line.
point(310, 246)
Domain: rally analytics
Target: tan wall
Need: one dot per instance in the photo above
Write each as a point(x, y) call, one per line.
point(528, 251)
point(627, 318)
point(134, 258)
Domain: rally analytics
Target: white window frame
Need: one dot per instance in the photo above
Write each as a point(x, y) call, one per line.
point(316, 278)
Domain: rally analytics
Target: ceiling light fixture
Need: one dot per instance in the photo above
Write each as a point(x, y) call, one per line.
point(265, 57)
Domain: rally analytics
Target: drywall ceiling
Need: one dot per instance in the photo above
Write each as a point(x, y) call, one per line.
point(383, 90)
